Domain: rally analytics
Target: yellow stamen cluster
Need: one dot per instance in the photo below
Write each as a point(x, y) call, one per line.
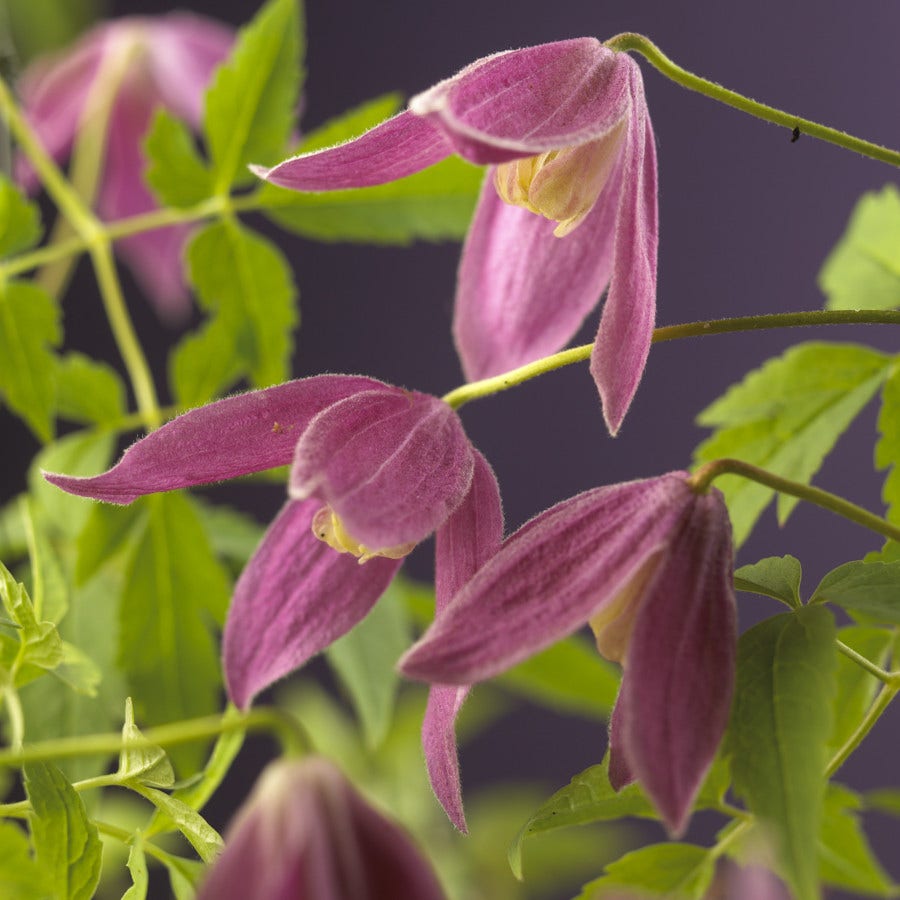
point(328, 527)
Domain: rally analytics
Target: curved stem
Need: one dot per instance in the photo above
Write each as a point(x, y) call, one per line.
point(488, 386)
point(704, 476)
point(864, 663)
point(286, 728)
point(658, 59)
point(882, 701)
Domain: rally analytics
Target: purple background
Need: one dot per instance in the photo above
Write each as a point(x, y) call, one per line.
point(746, 219)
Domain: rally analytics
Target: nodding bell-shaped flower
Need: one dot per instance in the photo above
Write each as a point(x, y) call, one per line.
point(305, 832)
point(375, 469)
point(649, 565)
point(147, 63)
point(568, 208)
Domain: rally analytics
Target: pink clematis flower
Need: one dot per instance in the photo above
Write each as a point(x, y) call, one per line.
point(568, 207)
point(167, 62)
point(648, 564)
point(306, 832)
point(374, 470)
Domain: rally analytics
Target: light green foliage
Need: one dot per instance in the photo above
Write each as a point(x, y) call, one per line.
point(137, 866)
point(364, 660)
point(846, 859)
point(887, 450)
point(588, 797)
point(780, 725)
point(20, 220)
point(202, 836)
point(855, 686)
point(172, 584)
point(49, 587)
point(198, 793)
point(88, 391)
point(39, 642)
point(246, 283)
point(863, 269)
point(251, 103)
point(20, 876)
point(785, 417)
point(66, 842)
point(662, 870)
point(106, 531)
point(872, 588)
point(176, 172)
point(775, 576)
point(144, 764)
point(569, 675)
point(80, 453)
point(233, 535)
point(435, 204)
point(29, 330)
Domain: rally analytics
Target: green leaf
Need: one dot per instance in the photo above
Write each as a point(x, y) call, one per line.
point(67, 845)
point(166, 650)
point(349, 125)
point(883, 800)
point(184, 876)
point(568, 676)
point(137, 866)
point(775, 576)
point(246, 282)
point(20, 220)
point(663, 870)
point(856, 688)
point(785, 417)
point(364, 660)
point(49, 586)
point(78, 671)
point(202, 836)
point(887, 450)
point(40, 642)
point(91, 624)
point(176, 172)
point(226, 749)
point(233, 535)
point(145, 764)
point(29, 329)
point(20, 876)
point(872, 588)
point(88, 391)
point(846, 859)
point(81, 453)
point(204, 364)
point(863, 271)
point(588, 797)
point(106, 531)
point(251, 103)
point(780, 725)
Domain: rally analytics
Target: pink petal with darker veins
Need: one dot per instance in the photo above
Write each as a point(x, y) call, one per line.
point(236, 436)
point(294, 598)
point(392, 464)
point(469, 538)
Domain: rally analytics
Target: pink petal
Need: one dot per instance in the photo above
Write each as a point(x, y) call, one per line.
point(626, 326)
point(620, 773)
point(470, 537)
point(522, 293)
point(53, 92)
point(398, 147)
point(392, 464)
point(524, 102)
point(294, 598)
point(548, 579)
point(185, 51)
point(242, 434)
point(679, 670)
point(154, 256)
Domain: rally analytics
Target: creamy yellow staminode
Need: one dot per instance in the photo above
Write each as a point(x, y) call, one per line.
point(561, 185)
point(327, 527)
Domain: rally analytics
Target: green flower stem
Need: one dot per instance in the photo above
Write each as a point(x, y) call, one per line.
point(286, 728)
point(630, 41)
point(488, 386)
point(881, 703)
point(99, 245)
point(126, 837)
point(16, 716)
point(704, 476)
point(21, 808)
point(867, 664)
